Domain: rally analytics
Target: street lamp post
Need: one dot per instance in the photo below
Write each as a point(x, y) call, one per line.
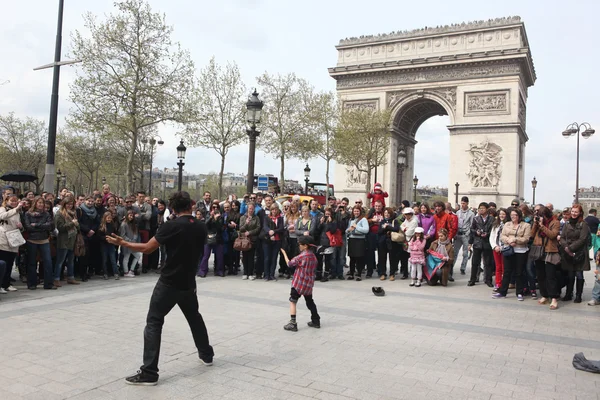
point(134, 180)
point(153, 142)
point(415, 183)
point(254, 108)
point(456, 193)
point(575, 129)
point(306, 178)
point(181, 156)
point(400, 173)
point(103, 180)
point(58, 176)
point(533, 186)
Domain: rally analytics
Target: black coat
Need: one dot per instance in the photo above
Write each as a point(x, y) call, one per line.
point(480, 232)
point(384, 234)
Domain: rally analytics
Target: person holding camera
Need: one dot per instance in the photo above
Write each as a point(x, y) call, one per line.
point(545, 230)
point(214, 241)
point(479, 241)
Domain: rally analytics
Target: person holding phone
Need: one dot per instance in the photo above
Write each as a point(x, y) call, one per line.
point(214, 241)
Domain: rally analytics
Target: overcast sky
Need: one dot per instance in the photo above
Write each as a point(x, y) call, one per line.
point(284, 36)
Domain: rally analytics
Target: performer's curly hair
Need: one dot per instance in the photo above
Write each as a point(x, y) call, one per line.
point(180, 201)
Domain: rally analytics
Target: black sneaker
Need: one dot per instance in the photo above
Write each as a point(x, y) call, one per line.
point(291, 326)
point(450, 279)
point(314, 324)
point(141, 379)
point(206, 360)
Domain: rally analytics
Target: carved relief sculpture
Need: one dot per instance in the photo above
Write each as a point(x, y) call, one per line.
point(355, 178)
point(490, 102)
point(361, 105)
point(484, 167)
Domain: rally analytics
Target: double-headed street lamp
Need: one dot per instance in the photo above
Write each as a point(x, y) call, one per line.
point(306, 178)
point(575, 129)
point(181, 156)
point(254, 108)
point(400, 173)
point(533, 186)
point(152, 142)
point(58, 176)
point(415, 183)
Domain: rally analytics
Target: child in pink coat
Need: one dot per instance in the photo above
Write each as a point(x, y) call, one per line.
point(416, 247)
point(377, 195)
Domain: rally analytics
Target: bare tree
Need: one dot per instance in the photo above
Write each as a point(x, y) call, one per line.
point(288, 118)
point(220, 110)
point(325, 124)
point(362, 140)
point(132, 75)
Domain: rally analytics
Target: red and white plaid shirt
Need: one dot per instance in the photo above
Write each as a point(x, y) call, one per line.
point(304, 275)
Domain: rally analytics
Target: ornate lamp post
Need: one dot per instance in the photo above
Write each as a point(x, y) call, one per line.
point(456, 193)
point(153, 142)
point(181, 156)
point(415, 183)
point(103, 180)
point(254, 108)
point(306, 178)
point(400, 173)
point(64, 179)
point(575, 129)
point(58, 176)
point(134, 180)
point(533, 186)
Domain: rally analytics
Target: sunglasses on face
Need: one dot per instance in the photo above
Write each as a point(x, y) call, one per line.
point(358, 202)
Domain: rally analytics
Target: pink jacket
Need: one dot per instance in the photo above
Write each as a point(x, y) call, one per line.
point(417, 251)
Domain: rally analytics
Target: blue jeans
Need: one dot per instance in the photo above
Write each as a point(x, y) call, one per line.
point(596, 290)
point(531, 275)
point(461, 241)
point(61, 256)
point(32, 251)
point(109, 253)
point(336, 268)
point(270, 252)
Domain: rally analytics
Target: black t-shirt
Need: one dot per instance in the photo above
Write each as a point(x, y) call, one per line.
point(593, 223)
point(184, 238)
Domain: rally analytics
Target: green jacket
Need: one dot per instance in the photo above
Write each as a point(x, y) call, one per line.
point(67, 232)
point(253, 227)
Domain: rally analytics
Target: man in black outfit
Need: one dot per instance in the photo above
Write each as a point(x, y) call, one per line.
point(184, 238)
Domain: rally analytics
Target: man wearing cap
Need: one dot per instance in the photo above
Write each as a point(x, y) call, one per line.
point(332, 203)
point(465, 219)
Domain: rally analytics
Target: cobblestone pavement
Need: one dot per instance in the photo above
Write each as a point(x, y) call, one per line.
point(414, 343)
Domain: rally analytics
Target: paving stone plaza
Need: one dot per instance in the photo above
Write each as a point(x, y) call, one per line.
point(414, 343)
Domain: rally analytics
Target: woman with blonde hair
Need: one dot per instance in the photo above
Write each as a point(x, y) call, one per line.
point(289, 221)
point(67, 225)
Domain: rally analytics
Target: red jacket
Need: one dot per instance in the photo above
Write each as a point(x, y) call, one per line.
point(445, 221)
point(375, 197)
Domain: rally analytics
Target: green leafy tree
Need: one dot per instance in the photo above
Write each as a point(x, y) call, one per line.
point(220, 110)
point(132, 76)
point(363, 139)
point(288, 118)
point(327, 115)
point(23, 145)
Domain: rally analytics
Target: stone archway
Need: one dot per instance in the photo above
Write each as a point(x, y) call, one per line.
point(476, 73)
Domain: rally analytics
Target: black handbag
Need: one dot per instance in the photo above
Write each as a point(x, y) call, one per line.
point(537, 253)
point(211, 239)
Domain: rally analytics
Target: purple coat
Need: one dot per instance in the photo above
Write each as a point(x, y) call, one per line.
point(427, 222)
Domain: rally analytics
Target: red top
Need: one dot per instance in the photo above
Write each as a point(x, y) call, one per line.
point(304, 275)
point(445, 221)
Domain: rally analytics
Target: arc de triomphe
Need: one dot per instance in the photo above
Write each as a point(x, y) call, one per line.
point(476, 73)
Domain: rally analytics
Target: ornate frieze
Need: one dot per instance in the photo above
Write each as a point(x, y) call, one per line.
point(448, 94)
point(426, 75)
point(372, 105)
point(496, 102)
point(484, 166)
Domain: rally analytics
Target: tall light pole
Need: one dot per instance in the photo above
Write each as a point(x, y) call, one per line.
point(153, 142)
point(254, 108)
point(181, 156)
point(400, 173)
point(533, 186)
point(306, 178)
point(456, 193)
point(415, 183)
point(575, 129)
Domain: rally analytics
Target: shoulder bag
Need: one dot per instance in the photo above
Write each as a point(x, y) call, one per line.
point(537, 253)
point(79, 249)
point(242, 243)
point(14, 238)
point(507, 250)
point(398, 237)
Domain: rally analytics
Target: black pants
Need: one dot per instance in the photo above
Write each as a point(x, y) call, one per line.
point(320, 263)
point(260, 259)
point(382, 258)
point(9, 258)
point(310, 304)
point(356, 265)
point(248, 261)
point(404, 256)
point(515, 263)
point(546, 274)
point(163, 299)
point(476, 263)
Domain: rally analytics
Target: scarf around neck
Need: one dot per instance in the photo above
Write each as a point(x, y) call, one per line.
point(90, 212)
point(442, 247)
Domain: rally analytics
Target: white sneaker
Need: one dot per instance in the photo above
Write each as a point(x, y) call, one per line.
point(3, 291)
point(590, 303)
point(244, 277)
point(11, 288)
point(252, 277)
point(130, 274)
point(418, 284)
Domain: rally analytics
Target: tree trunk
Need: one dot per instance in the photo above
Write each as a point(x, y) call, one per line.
point(368, 188)
point(221, 176)
point(130, 156)
point(327, 178)
point(281, 172)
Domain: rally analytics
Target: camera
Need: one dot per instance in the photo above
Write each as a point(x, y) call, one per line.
point(537, 219)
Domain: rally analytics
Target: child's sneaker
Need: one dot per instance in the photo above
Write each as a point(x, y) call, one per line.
point(418, 284)
point(412, 283)
point(520, 297)
point(291, 326)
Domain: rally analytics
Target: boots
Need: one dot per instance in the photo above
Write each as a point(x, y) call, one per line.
point(569, 291)
point(579, 290)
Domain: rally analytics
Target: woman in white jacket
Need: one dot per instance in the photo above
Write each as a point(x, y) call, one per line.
point(408, 226)
point(496, 244)
point(10, 219)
